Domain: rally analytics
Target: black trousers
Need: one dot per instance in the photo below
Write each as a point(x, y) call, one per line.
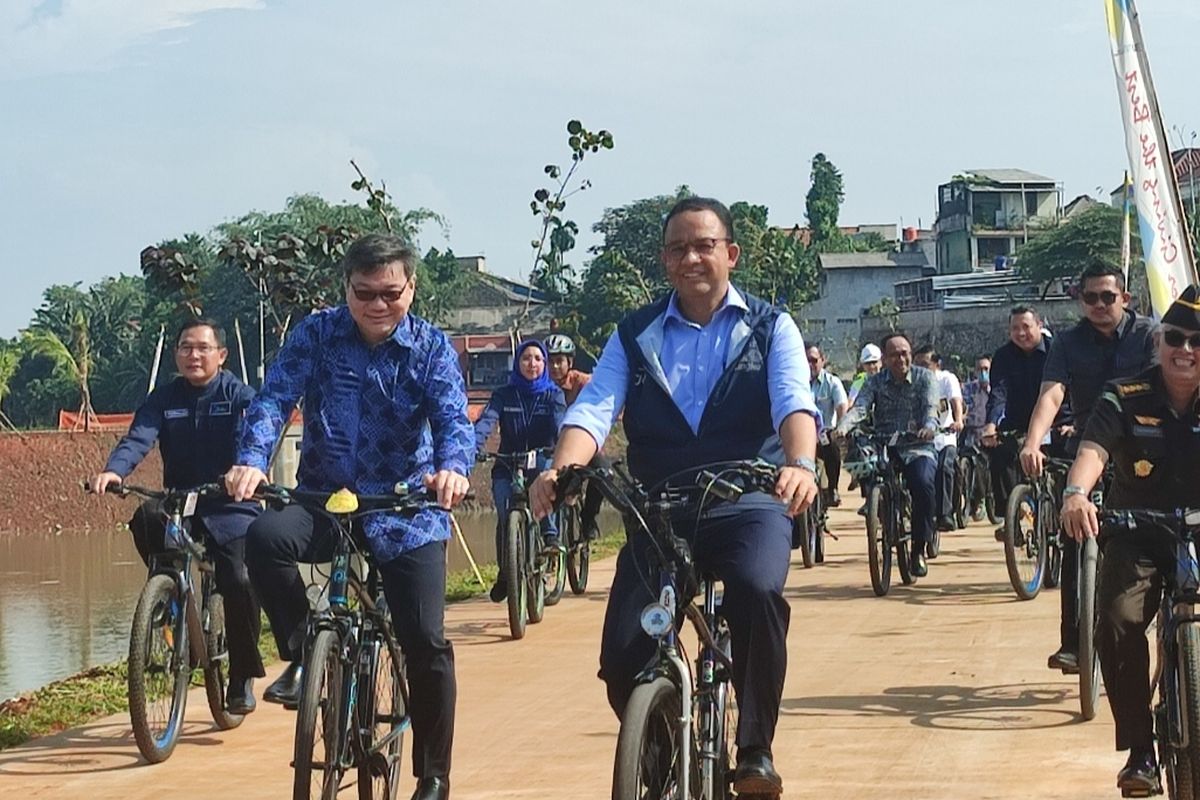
point(831, 457)
point(242, 620)
point(749, 551)
point(1005, 469)
point(415, 587)
point(1128, 595)
point(947, 468)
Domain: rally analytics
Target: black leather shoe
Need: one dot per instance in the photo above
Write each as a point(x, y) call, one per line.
point(1001, 534)
point(1065, 660)
point(499, 590)
point(756, 775)
point(286, 688)
point(835, 500)
point(239, 697)
point(1139, 776)
point(432, 789)
point(946, 524)
point(917, 566)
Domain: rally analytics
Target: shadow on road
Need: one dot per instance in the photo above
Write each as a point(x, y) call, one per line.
point(995, 708)
point(92, 748)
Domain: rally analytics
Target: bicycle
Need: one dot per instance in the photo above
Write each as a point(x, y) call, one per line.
point(353, 708)
point(171, 635)
point(809, 529)
point(534, 572)
point(888, 507)
point(1033, 548)
point(578, 547)
point(677, 731)
point(972, 487)
point(1176, 712)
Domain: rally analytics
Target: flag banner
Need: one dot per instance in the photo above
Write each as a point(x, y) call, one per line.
point(1165, 246)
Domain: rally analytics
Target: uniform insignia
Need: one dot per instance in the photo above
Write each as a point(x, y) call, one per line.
point(175, 413)
point(1142, 468)
point(1132, 389)
point(1154, 421)
point(221, 408)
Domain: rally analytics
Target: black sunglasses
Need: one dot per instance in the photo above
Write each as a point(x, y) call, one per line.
point(1108, 298)
point(1176, 338)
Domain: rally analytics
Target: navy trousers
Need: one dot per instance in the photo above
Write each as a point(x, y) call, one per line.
point(919, 476)
point(415, 586)
point(747, 549)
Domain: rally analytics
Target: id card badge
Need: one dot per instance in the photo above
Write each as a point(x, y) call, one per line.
point(189, 504)
point(531, 459)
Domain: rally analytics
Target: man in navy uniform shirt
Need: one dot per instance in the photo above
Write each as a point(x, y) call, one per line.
point(195, 419)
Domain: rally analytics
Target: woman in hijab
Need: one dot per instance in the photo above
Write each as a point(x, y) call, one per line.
point(529, 410)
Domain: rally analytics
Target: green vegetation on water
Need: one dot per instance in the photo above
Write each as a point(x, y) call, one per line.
point(101, 691)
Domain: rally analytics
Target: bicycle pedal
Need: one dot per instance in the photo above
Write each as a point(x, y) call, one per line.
point(1141, 792)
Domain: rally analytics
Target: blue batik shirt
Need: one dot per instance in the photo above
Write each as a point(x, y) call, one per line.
point(373, 416)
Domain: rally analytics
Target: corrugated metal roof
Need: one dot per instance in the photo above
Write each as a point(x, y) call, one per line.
point(968, 280)
point(873, 260)
point(1009, 176)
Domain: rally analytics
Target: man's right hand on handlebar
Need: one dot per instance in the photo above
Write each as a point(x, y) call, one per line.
point(1033, 460)
point(1079, 517)
point(99, 483)
point(242, 481)
point(543, 493)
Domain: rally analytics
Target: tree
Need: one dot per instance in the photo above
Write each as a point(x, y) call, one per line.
point(823, 203)
point(1065, 251)
point(71, 355)
point(774, 263)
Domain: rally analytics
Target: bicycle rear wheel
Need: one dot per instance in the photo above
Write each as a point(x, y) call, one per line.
point(515, 569)
point(1089, 660)
point(962, 497)
point(159, 668)
point(879, 551)
point(579, 551)
point(554, 573)
point(803, 531)
point(535, 574)
point(716, 731)
point(317, 757)
point(383, 707)
point(216, 674)
point(1024, 543)
point(649, 755)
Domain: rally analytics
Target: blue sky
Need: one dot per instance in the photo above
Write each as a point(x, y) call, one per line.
point(126, 122)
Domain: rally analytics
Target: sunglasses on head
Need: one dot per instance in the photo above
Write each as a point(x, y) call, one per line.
point(1176, 338)
point(1092, 298)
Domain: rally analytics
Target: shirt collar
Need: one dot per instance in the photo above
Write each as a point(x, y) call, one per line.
point(908, 376)
point(733, 299)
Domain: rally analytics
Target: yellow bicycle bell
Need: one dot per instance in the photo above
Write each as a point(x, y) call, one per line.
point(343, 501)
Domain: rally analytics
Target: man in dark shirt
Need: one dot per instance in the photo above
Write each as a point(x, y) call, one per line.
point(1149, 429)
point(1110, 342)
point(195, 419)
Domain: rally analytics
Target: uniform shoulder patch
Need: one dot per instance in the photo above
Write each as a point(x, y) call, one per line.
point(1133, 389)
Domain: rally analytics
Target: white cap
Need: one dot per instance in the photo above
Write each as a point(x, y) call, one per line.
point(870, 354)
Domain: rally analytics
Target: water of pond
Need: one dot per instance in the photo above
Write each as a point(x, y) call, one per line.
point(66, 599)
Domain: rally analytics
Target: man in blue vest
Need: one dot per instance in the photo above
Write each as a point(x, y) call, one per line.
point(706, 374)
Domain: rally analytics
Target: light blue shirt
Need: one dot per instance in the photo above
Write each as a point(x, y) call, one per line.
point(692, 358)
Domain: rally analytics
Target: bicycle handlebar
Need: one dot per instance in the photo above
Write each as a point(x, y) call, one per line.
point(404, 500)
point(1127, 519)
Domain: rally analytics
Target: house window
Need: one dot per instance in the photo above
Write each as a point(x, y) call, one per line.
point(847, 320)
point(1031, 204)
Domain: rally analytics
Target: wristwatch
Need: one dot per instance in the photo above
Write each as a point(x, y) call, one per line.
point(804, 462)
point(1072, 489)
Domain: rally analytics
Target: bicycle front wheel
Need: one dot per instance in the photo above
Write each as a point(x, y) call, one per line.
point(804, 526)
point(879, 550)
point(384, 710)
point(649, 747)
point(1024, 543)
point(1089, 660)
point(216, 674)
point(1183, 764)
point(159, 668)
point(317, 756)
point(514, 572)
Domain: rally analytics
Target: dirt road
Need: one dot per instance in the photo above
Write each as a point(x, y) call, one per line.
point(936, 691)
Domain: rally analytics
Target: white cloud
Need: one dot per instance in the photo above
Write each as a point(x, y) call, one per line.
point(40, 38)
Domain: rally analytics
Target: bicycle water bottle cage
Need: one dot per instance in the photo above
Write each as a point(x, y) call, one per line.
point(343, 501)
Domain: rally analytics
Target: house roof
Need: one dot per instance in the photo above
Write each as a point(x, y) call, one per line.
point(1010, 176)
point(873, 260)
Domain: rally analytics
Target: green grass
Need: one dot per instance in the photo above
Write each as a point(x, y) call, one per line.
point(101, 691)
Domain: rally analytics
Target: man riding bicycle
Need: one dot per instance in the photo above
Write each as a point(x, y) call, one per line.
point(945, 442)
point(195, 419)
point(1109, 342)
point(904, 398)
point(705, 374)
point(384, 402)
point(830, 398)
point(572, 381)
point(1148, 427)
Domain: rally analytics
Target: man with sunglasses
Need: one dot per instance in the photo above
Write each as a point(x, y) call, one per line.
point(830, 396)
point(1110, 342)
point(384, 403)
point(1148, 428)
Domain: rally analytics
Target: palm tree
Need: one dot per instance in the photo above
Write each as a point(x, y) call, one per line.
point(73, 356)
point(10, 359)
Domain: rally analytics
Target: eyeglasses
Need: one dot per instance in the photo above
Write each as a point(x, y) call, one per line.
point(1092, 298)
point(1176, 338)
point(678, 251)
point(388, 296)
point(198, 349)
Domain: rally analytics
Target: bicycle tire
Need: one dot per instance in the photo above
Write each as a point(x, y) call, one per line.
point(379, 777)
point(724, 733)
point(822, 527)
point(578, 566)
point(555, 575)
point(319, 712)
point(1183, 765)
point(648, 757)
point(803, 527)
point(514, 568)
point(1024, 543)
point(216, 674)
point(961, 499)
point(903, 543)
point(879, 551)
point(816, 528)
point(159, 668)
point(1089, 660)
point(535, 574)
point(1053, 566)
